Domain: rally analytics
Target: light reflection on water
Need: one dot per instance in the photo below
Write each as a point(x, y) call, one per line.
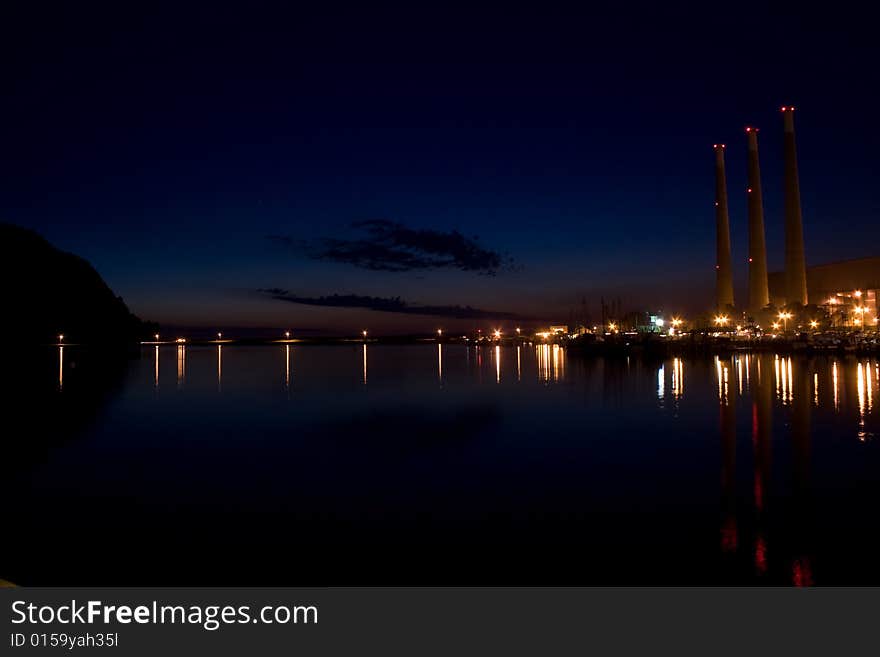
point(606, 466)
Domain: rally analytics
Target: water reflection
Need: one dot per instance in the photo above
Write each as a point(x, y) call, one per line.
point(801, 567)
point(181, 365)
point(727, 423)
point(724, 475)
point(551, 362)
point(365, 364)
point(440, 363)
point(792, 385)
point(677, 378)
point(762, 446)
point(835, 383)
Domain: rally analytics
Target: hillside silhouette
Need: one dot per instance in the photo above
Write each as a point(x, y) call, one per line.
point(47, 292)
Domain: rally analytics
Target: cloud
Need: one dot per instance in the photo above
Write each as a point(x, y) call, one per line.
point(391, 246)
point(389, 305)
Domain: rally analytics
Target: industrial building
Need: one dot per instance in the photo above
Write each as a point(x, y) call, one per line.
point(846, 290)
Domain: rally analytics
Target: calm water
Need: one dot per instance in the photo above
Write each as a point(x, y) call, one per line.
point(438, 465)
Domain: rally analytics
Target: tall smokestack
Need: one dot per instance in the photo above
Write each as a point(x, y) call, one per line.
point(759, 294)
point(795, 263)
point(723, 272)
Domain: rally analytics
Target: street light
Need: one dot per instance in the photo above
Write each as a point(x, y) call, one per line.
point(287, 334)
point(612, 326)
point(785, 316)
point(157, 337)
point(61, 337)
point(219, 335)
point(364, 333)
point(721, 320)
point(439, 332)
point(497, 334)
point(517, 330)
point(814, 324)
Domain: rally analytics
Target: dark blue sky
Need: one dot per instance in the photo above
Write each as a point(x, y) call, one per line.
point(168, 146)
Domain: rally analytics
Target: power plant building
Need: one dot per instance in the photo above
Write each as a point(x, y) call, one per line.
point(839, 287)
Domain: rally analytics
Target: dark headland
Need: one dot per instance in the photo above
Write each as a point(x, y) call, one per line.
point(48, 292)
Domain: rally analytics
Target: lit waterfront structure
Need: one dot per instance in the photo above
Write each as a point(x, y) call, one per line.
point(759, 292)
point(795, 262)
point(724, 273)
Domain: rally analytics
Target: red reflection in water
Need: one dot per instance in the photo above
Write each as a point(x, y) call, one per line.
point(729, 539)
point(801, 572)
point(760, 555)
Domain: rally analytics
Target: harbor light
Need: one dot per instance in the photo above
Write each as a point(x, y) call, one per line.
point(219, 335)
point(814, 324)
point(181, 340)
point(721, 320)
point(287, 334)
point(676, 322)
point(612, 326)
point(157, 337)
point(517, 330)
point(439, 332)
point(776, 326)
point(364, 333)
point(61, 337)
point(497, 333)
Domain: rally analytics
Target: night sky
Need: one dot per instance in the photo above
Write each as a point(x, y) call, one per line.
point(237, 167)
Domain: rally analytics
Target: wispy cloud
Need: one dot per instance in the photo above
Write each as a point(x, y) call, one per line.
point(391, 246)
point(390, 305)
